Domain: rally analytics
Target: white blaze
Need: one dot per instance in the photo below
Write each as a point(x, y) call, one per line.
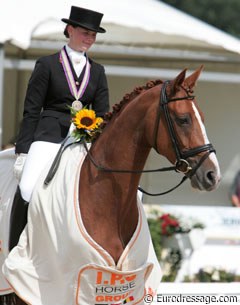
point(206, 141)
point(202, 127)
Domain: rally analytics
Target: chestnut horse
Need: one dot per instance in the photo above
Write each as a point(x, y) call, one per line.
point(160, 115)
point(139, 125)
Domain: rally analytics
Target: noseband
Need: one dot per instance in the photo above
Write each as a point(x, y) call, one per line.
point(181, 164)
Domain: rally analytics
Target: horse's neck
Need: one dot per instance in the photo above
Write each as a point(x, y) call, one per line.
point(122, 145)
point(108, 199)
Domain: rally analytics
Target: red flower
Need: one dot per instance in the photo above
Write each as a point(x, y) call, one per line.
point(169, 224)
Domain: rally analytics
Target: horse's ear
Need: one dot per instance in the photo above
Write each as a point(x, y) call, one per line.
point(177, 82)
point(192, 79)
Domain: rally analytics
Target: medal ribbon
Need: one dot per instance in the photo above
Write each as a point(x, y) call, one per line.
point(69, 76)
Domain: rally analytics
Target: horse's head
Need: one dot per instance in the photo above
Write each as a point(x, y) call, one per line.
point(183, 139)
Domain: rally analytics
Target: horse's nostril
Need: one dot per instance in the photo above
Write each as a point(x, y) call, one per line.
point(211, 177)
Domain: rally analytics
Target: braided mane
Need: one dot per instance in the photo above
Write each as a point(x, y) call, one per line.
point(128, 98)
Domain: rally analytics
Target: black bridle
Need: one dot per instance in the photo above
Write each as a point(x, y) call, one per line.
point(181, 164)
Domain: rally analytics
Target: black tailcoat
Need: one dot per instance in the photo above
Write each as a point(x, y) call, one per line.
point(46, 116)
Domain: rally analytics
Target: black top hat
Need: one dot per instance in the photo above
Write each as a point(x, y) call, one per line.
point(85, 18)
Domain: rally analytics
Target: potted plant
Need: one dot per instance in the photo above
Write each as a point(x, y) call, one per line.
point(172, 240)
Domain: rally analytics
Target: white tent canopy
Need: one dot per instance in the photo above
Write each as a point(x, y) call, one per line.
point(145, 39)
point(135, 22)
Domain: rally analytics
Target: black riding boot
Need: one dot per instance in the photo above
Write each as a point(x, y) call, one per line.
point(18, 219)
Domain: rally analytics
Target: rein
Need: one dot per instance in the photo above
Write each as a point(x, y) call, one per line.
point(181, 164)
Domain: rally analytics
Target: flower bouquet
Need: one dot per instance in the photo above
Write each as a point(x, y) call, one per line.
point(87, 125)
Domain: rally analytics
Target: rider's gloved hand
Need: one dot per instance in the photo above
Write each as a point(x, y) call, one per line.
point(18, 166)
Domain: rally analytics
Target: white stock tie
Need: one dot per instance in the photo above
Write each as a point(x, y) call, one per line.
point(78, 61)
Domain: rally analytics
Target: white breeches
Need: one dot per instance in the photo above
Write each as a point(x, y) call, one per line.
point(40, 155)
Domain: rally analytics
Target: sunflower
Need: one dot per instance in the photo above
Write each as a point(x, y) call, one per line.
point(86, 123)
point(86, 119)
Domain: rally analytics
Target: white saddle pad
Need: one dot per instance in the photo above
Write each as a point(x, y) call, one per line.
point(57, 262)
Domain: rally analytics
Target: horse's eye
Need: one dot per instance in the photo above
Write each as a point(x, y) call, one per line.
point(183, 120)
